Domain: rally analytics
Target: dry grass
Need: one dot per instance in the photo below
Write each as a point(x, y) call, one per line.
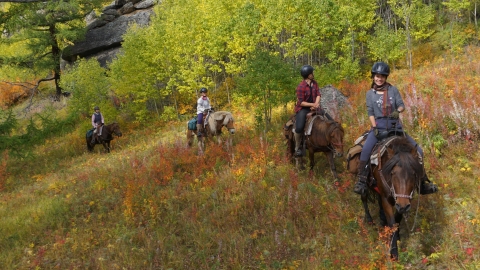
point(154, 204)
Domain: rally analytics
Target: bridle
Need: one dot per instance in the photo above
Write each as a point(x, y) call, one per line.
point(393, 193)
point(331, 145)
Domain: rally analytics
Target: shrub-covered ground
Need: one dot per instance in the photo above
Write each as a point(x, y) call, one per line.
point(153, 203)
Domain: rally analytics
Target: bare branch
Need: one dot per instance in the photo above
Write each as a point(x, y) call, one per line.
point(34, 89)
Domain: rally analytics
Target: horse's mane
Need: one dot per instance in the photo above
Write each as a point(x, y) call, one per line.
point(334, 125)
point(402, 157)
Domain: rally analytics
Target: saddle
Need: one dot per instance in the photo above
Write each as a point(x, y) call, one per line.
point(308, 126)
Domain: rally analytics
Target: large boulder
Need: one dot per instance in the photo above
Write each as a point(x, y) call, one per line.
point(105, 33)
point(332, 100)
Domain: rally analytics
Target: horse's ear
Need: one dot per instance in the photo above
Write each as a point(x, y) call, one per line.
point(390, 152)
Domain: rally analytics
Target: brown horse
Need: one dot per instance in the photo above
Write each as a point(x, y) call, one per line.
point(105, 138)
point(325, 136)
point(397, 172)
point(213, 125)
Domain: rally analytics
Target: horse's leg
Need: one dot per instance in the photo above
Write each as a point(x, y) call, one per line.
point(190, 135)
point(89, 145)
point(201, 144)
point(331, 161)
point(368, 218)
point(390, 217)
point(381, 213)
point(311, 157)
point(106, 147)
point(299, 163)
point(219, 139)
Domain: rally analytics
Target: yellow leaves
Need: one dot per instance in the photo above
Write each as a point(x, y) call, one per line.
point(475, 221)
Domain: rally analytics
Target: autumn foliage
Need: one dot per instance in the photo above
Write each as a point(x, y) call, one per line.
point(11, 94)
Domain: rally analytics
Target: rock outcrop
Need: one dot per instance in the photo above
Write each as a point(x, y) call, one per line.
point(105, 32)
point(332, 100)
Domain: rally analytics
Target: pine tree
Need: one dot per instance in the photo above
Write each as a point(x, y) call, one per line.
point(35, 32)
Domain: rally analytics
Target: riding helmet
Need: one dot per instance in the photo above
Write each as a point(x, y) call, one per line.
point(96, 108)
point(203, 90)
point(380, 68)
point(306, 70)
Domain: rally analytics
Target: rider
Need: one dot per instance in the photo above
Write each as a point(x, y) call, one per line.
point(97, 123)
point(308, 99)
point(384, 104)
point(203, 104)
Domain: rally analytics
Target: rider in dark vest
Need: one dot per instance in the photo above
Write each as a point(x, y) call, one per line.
point(308, 99)
point(97, 123)
point(384, 105)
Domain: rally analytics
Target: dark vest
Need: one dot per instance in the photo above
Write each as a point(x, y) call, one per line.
point(98, 118)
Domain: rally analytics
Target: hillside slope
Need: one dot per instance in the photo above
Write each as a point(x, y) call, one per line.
point(153, 203)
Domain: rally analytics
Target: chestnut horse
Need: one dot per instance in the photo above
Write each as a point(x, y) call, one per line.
point(325, 136)
point(397, 172)
point(105, 138)
point(213, 125)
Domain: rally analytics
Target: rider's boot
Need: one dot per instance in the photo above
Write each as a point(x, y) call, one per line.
point(199, 130)
point(363, 171)
point(298, 144)
point(427, 187)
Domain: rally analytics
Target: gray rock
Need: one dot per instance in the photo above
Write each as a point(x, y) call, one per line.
point(95, 24)
point(111, 6)
point(107, 56)
point(145, 4)
point(127, 8)
point(332, 100)
point(112, 11)
point(104, 38)
point(90, 18)
point(107, 18)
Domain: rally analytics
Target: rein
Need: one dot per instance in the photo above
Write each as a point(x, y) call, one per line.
point(416, 213)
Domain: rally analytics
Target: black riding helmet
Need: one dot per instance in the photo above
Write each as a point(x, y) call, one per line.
point(96, 108)
point(306, 70)
point(203, 90)
point(380, 68)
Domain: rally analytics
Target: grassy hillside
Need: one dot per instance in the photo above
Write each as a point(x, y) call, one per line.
point(152, 203)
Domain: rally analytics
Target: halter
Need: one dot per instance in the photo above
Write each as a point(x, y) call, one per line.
point(392, 188)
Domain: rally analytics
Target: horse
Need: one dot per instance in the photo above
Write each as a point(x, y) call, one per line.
point(322, 135)
point(396, 169)
point(105, 138)
point(213, 126)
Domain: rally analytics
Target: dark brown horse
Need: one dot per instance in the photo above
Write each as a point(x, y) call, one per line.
point(397, 172)
point(214, 124)
point(105, 138)
point(325, 136)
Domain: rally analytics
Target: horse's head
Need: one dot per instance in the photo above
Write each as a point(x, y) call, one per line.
point(336, 138)
point(402, 170)
point(115, 129)
point(222, 119)
point(229, 125)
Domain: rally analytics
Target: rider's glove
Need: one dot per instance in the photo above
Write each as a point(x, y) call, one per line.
point(375, 131)
point(395, 114)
